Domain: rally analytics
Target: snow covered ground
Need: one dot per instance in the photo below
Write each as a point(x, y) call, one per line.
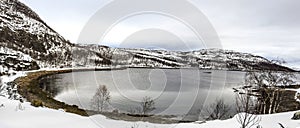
point(27, 116)
point(16, 115)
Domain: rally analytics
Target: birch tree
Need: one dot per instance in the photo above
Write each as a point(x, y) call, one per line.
point(269, 85)
point(2, 88)
point(101, 98)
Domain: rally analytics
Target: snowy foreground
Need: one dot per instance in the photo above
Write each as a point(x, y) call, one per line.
point(26, 116)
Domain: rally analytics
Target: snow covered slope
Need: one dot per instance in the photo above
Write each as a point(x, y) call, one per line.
point(11, 61)
point(22, 30)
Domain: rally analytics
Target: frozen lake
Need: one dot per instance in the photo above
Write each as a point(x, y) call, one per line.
point(176, 91)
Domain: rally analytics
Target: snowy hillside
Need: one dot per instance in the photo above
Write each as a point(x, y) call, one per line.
point(11, 61)
point(22, 30)
point(203, 59)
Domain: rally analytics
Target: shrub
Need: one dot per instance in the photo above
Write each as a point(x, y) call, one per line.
point(37, 103)
point(296, 116)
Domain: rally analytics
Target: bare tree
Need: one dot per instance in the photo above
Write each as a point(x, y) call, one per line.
point(245, 106)
point(2, 88)
point(101, 98)
point(2, 91)
point(217, 110)
point(147, 105)
point(269, 84)
point(266, 98)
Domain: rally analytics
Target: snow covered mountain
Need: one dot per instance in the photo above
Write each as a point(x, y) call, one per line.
point(23, 30)
point(27, 42)
point(202, 59)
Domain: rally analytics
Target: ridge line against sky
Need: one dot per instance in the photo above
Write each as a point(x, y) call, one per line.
point(262, 27)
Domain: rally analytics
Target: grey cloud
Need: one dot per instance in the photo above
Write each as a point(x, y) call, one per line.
point(265, 27)
point(155, 38)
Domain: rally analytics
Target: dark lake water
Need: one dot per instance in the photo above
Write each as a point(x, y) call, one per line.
point(176, 91)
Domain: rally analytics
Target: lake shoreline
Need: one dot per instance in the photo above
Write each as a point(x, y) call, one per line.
point(29, 89)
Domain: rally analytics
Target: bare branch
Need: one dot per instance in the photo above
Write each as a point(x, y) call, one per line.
point(246, 110)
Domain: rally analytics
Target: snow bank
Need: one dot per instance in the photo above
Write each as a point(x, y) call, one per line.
point(31, 117)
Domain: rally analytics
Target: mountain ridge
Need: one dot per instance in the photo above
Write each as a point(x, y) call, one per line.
point(24, 33)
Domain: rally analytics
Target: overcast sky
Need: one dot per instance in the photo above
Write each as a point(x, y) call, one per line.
point(270, 28)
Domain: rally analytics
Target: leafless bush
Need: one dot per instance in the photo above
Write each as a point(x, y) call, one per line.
point(217, 110)
point(147, 105)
